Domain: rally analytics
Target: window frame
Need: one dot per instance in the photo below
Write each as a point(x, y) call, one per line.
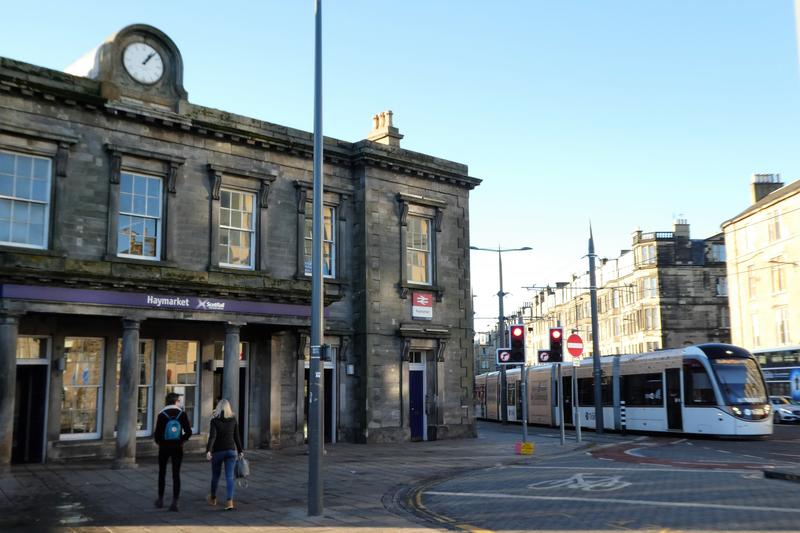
point(13, 198)
point(426, 252)
point(782, 325)
point(99, 390)
point(252, 232)
point(433, 209)
point(159, 220)
point(307, 258)
point(258, 183)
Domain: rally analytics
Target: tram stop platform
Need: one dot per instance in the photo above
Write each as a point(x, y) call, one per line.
point(365, 487)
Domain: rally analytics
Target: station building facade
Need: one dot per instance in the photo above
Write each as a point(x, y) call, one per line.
point(151, 245)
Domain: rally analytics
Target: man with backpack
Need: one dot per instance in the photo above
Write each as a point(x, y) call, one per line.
point(172, 430)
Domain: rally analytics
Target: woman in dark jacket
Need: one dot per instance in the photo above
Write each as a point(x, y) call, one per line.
point(223, 446)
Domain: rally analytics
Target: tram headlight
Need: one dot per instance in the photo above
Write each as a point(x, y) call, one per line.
point(735, 410)
point(767, 408)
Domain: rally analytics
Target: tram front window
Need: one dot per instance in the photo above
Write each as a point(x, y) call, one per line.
point(740, 381)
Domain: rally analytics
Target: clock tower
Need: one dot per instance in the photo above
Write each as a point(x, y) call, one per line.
point(137, 66)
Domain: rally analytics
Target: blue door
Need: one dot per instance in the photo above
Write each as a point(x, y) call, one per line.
point(416, 403)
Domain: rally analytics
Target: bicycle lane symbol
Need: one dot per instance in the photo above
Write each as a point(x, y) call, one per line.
point(586, 482)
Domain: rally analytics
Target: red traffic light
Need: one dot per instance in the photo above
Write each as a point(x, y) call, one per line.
point(517, 331)
point(555, 333)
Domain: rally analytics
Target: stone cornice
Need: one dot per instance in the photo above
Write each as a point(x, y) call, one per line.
point(33, 81)
point(42, 269)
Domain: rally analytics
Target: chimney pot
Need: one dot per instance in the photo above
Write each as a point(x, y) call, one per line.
point(383, 130)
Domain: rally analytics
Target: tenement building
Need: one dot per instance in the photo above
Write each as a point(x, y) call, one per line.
point(763, 244)
point(667, 291)
point(151, 245)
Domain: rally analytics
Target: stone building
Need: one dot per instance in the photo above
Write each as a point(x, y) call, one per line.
point(667, 291)
point(763, 244)
point(149, 244)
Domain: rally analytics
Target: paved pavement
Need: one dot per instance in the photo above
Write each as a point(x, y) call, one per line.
point(366, 488)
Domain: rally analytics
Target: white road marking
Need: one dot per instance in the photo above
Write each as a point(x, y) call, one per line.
point(689, 505)
point(633, 469)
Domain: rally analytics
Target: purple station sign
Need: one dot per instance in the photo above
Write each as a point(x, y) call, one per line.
point(149, 300)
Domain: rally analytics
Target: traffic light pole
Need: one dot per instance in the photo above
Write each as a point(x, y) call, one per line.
point(501, 338)
point(561, 409)
point(598, 371)
point(524, 393)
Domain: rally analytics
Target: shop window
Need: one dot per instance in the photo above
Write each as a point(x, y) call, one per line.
point(32, 350)
point(144, 397)
point(81, 401)
point(328, 240)
point(140, 214)
point(182, 375)
point(24, 200)
point(237, 229)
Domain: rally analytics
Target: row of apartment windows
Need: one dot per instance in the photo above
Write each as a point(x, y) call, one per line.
point(777, 277)
point(748, 238)
point(25, 184)
point(781, 327)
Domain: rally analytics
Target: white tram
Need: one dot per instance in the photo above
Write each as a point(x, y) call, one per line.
point(715, 389)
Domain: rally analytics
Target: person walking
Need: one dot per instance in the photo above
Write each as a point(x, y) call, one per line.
point(173, 429)
point(223, 447)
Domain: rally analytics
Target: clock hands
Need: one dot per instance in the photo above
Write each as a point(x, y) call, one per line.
point(148, 58)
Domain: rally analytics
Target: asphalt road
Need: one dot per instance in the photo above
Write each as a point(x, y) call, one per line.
point(632, 482)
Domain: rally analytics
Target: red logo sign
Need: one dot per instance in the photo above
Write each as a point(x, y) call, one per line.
point(422, 305)
point(574, 345)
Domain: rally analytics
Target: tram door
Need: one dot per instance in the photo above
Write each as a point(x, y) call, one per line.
point(29, 411)
point(674, 403)
point(566, 383)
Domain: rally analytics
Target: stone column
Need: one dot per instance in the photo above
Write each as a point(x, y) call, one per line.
point(230, 375)
point(128, 396)
point(9, 327)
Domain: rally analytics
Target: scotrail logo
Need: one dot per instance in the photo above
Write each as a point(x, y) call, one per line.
point(208, 305)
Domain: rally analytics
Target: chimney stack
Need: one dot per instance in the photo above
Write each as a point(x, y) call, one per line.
point(680, 228)
point(383, 131)
point(764, 184)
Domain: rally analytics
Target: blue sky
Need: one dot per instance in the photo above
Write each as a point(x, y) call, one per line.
point(627, 113)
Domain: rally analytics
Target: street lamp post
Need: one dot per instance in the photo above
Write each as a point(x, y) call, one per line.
point(501, 323)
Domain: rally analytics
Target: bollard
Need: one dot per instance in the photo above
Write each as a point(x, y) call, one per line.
point(622, 416)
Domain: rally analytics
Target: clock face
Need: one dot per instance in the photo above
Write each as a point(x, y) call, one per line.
point(143, 63)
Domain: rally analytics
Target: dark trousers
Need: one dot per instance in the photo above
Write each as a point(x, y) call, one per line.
point(165, 453)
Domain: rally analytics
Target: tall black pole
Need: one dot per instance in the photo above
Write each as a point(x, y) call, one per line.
point(598, 371)
point(315, 383)
point(501, 341)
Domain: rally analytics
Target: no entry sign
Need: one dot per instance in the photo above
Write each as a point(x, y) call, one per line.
point(574, 345)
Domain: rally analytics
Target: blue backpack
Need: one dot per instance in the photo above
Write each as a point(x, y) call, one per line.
point(173, 429)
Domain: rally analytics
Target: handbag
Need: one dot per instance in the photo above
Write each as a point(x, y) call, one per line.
point(241, 470)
